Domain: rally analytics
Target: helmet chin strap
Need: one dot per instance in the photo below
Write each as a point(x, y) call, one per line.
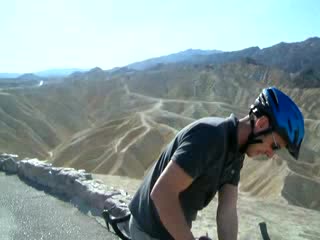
point(253, 138)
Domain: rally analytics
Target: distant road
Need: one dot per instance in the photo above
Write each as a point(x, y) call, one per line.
point(26, 213)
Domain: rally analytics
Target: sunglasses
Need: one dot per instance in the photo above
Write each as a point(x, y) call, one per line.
point(275, 146)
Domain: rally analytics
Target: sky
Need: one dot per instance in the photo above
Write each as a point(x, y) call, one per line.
point(38, 35)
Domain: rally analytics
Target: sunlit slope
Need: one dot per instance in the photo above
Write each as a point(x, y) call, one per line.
point(126, 146)
point(24, 129)
point(130, 144)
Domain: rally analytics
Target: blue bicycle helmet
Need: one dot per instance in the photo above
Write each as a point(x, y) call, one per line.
point(284, 116)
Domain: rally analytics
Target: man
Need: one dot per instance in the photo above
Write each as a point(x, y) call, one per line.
point(206, 157)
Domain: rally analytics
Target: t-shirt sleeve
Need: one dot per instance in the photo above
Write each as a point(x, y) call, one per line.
point(192, 153)
point(235, 179)
point(234, 172)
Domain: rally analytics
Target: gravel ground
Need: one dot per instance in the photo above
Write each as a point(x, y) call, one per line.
point(27, 213)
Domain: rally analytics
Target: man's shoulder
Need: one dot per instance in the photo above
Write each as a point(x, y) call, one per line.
point(206, 131)
point(205, 123)
point(211, 120)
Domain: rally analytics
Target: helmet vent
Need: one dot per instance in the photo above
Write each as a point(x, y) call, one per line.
point(262, 100)
point(274, 98)
point(290, 126)
point(296, 136)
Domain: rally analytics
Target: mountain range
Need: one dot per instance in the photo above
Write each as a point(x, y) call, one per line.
point(292, 57)
point(60, 72)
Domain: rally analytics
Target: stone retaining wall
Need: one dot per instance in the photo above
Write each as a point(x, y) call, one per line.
point(72, 183)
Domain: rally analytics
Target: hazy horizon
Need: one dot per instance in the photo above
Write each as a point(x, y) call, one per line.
point(43, 35)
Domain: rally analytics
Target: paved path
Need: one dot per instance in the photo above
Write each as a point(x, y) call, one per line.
point(26, 213)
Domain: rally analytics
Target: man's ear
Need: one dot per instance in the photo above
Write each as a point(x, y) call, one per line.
point(262, 123)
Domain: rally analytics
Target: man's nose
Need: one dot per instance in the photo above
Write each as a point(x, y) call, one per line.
point(270, 153)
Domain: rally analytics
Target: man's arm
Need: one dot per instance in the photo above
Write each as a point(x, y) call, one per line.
point(165, 195)
point(227, 217)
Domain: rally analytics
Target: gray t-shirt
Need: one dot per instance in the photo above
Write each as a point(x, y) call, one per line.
point(208, 151)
